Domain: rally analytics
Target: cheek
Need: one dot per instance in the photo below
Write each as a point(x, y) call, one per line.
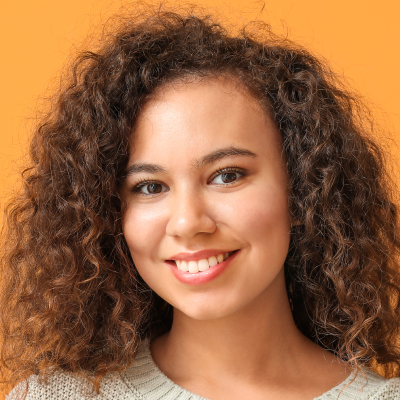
point(143, 230)
point(261, 214)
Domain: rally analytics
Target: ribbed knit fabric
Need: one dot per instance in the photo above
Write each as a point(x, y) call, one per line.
point(144, 381)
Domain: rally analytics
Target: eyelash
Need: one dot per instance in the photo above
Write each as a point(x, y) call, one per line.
point(242, 172)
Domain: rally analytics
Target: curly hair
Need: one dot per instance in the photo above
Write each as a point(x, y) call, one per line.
point(72, 298)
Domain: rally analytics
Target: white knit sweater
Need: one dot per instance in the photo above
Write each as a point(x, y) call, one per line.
point(144, 381)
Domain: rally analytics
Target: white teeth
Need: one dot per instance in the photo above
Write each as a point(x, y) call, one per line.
point(212, 261)
point(201, 265)
point(193, 267)
point(184, 266)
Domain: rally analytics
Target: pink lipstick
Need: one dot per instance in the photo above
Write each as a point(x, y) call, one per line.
point(199, 278)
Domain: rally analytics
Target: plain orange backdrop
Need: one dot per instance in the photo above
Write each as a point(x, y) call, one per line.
point(359, 38)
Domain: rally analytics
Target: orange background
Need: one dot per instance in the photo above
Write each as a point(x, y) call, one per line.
point(359, 38)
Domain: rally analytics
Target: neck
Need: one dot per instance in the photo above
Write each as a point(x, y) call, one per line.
point(260, 335)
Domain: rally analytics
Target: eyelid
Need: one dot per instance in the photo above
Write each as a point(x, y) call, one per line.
point(241, 171)
point(147, 181)
point(144, 182)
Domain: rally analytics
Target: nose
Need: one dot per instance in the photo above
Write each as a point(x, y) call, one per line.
point(189, 216)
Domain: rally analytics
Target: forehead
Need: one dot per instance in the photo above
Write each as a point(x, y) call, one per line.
point(202, 114)
point(223, 90)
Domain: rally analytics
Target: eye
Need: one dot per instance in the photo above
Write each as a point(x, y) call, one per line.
point(227, 176)
point(149, 188)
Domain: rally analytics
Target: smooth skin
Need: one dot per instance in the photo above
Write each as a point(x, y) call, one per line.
point(234, 337)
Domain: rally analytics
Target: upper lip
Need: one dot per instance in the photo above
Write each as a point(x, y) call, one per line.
point(198, 255)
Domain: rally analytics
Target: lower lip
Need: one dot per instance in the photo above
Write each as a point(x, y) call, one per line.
point(198, 278)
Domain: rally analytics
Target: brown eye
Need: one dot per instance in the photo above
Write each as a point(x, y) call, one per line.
point(154, 188)
point(149, 188)
point(228, 177)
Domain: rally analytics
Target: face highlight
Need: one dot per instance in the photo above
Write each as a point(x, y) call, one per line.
point(206, 175)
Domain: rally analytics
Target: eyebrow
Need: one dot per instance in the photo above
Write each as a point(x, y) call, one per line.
point(210, 158)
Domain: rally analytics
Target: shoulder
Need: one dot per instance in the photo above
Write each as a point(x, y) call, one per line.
point(367, 385)
point(388, 389)
point(141, 380)
point(60, 385)
point(65, 386)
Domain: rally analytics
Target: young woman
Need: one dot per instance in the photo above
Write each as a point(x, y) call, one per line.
point(205, 217)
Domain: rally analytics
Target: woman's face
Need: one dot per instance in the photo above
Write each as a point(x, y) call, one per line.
point(213, 181)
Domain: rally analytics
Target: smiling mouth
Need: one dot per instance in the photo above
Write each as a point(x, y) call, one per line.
point(205, 264)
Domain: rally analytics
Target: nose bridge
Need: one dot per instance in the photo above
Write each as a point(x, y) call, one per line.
point(188, 213)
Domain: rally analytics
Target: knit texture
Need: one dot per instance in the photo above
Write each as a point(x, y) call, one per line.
point(144, 381)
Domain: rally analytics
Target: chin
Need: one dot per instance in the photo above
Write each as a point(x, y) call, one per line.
point(207, 311)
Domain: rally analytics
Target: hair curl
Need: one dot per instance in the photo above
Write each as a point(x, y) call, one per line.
point(72, 298)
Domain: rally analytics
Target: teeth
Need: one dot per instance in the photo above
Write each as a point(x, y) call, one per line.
point(193, 267)
point(201, 265)
point(212, 261)
point(184, 266)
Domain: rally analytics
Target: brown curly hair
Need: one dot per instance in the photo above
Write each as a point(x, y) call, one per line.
point(72, 299)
